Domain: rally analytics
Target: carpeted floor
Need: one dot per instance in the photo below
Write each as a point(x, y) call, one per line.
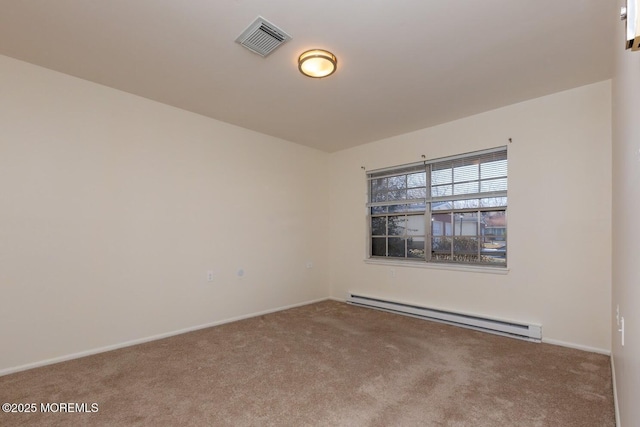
point(325, 364)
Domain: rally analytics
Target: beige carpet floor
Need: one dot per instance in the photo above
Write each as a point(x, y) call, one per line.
point(325, 364)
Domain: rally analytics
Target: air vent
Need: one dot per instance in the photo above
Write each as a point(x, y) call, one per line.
point(262, 37)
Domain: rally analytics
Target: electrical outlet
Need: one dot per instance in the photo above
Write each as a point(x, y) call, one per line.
point(210, 276)
point(240, 272)
point(309, 264)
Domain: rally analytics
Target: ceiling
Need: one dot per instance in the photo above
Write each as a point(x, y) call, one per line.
point(402, 65)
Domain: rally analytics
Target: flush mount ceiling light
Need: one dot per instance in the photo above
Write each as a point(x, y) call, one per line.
point(317, 63)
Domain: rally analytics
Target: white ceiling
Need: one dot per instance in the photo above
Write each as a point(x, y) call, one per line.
point(402, 65)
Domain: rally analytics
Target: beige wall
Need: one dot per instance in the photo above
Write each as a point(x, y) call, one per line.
point(559, 217)
point(113, 207)
point(626, 228)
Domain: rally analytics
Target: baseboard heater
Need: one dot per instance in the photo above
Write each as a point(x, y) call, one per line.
point(529, 332)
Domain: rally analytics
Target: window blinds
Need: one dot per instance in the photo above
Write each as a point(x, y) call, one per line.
point(479, 175)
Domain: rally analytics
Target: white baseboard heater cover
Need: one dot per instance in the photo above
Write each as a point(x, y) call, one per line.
point(529, 332)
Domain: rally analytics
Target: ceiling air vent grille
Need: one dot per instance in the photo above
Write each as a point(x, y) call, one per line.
point(262, 37)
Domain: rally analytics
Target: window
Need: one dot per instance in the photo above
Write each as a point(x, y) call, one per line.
point(449, 210)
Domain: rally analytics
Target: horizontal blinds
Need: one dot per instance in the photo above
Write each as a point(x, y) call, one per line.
point(489, 152)
point(396, 170)
point(478, 175)
point(475, 175)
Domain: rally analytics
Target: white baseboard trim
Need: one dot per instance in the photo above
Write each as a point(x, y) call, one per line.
point(615, 393)
point(577, 346)
point(130, 343)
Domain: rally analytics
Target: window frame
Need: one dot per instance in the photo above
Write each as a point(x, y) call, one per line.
point(498, 205)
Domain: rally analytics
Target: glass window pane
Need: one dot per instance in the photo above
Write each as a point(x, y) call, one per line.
point(397, 195)
point(466, 173)
point(493, 169)
point(415, 247)
point(446, 257)
point(492, 234)
point(441, 244)
point(442, 190)
point(379, 184)
point(417, 180)
point(494, 185)
point(398, 208)
point(494, 228)
point(379, 197)
point(441, 224)
point(494, 218)
point(417, 193)
point(379, 226)
point(379, 246)
point(441, 176)
point(466, 204)
point(437, 228)
point(465, 245)
point(466, 224)
point(379, 209)
point(466, 188)
point(396, 247)
point(415, 225)
point(494, 244)
point(493, 202)
point(397, 182)
point(416, 207)
point(466, 258)
point(493, 257)
point(396, 225)
point(439, 206)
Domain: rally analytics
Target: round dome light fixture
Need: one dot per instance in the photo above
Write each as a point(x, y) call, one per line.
point(317, 63)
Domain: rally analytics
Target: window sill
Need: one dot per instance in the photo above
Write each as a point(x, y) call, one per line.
point(439, 266)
